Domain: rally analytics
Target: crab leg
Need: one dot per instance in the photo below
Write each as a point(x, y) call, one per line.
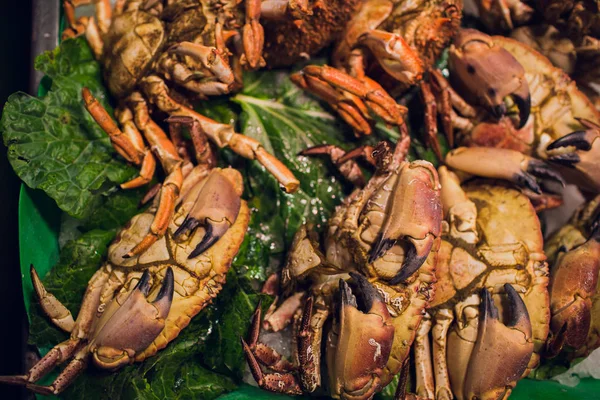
point(505, 164)
point(394, 55)
point(171, 163)
point(204, 154)
point(430, 118)
point(54, 309)
point(65, 350)
point(374, 96)
point(222, 135)
point(439, 333)
point(282, 381)
point(93, 32)
point(253, 36)
point(348, 168)
point(422, 353)
point(351, 108)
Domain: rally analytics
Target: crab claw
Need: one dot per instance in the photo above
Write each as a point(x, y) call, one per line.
point(415, 215)
point(129, 328)
point(505, 164)
point(574, 280)
point(501, 352)
point(488, 73)
point(363, 334)
point(580, 150)
point(216, 208)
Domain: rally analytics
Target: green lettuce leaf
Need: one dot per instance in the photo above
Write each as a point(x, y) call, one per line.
point(54, 144)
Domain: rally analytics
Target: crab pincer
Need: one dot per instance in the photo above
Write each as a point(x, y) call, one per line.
point(216, 207)
point(489, 73)
point(363, 334)
point(415, 214)
point(497, 163)
point(131, 323)
point(501, 350)
point(579, 150)
point(574, 281)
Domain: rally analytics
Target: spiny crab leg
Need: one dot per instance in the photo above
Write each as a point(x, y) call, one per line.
point(222, 135)
point(415, 215)
point(216, 208)
point(490, 73)
point(74, 346)
point(256, 353)
point(351, 108)
point(171, 163)
point(580, 150)
point(501, 350)
point(374, 96)
point(504, 164)
point(348, 168)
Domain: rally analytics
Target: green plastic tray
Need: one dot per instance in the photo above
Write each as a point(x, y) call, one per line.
point(39, 224)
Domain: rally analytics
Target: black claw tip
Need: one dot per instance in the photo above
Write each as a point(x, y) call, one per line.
point(577, 139)
point(567, 159)
point(528, 181)
point(188, 224)
point(144, 284)
point(517, 309)
point(487, 308)
point(524, 105)
point(498, 111)
point(208, 240)
point(380, 247)
point(411, 264)
point(346, 294)
point(167, 288)
point(365, 291)
point(541, 169)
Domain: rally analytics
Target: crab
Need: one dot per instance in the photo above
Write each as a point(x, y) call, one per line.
point(574, 253)
point(133, 307)
point(555, 122)
point(488, 320)
point(385, 40)
point(373, 277)
point(184, 42)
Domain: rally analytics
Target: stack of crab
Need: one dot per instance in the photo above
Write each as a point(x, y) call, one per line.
point(447, 265)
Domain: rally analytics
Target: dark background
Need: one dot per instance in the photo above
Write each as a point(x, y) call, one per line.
point(15, 63)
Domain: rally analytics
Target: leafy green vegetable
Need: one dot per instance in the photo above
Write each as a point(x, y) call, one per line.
point(54, 144)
